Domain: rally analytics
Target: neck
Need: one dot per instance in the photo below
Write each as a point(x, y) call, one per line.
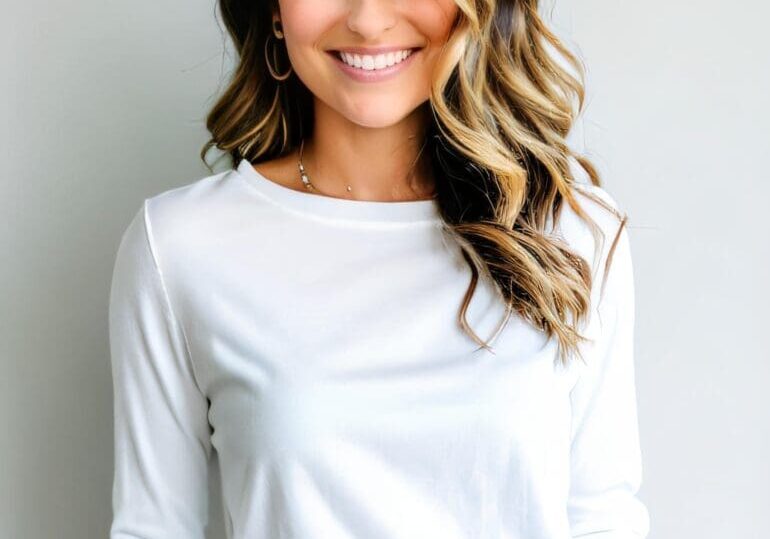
point(379, 164)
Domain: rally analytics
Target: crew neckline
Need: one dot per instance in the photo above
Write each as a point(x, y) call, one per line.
point(409, 211)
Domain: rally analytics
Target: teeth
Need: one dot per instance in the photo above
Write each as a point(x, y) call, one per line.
point(369, 63)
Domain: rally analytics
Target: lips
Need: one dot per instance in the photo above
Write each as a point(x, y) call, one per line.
point(373, 51)
point(373, 75)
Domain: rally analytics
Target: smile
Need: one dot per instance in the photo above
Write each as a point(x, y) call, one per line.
point(369, 62)
point(373, 67)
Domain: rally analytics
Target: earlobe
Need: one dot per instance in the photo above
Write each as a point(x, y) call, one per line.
point(277, 27)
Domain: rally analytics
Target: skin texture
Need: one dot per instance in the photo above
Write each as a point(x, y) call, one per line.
point(367, 135)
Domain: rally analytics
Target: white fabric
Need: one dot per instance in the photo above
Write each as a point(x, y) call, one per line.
point(313, 343)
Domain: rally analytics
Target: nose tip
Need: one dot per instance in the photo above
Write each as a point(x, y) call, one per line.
point(371, 18)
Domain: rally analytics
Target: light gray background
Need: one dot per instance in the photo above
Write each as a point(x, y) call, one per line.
point(102, 105)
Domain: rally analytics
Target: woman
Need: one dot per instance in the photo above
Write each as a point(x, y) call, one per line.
point(398, 315)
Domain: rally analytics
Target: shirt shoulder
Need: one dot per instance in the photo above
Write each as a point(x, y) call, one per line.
point(609, 216)
point(187, 202)
point(184, 218)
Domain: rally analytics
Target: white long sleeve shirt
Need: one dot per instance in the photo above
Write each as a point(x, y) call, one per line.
point(313, 342)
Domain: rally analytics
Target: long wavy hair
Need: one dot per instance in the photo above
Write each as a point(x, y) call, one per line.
point(502, 107)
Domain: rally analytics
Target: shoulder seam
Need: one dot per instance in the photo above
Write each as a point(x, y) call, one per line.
point(167, 298)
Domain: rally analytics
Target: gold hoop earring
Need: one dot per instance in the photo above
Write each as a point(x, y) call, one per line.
point(273, 72)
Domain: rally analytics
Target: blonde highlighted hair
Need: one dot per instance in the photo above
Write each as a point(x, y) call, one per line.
point(502, 107)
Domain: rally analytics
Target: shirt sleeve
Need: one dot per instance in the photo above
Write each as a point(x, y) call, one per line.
point(606, 463)
point(161, 430)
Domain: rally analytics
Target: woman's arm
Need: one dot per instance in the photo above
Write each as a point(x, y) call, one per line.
point(161, 430)
point(606, 458)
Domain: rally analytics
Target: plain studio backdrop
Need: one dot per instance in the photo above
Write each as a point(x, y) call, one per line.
point(102, 104)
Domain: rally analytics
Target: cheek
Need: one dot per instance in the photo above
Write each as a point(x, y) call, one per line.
point(434, 18)
point(304, 24)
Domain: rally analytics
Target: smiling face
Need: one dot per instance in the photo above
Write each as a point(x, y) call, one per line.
point(370, 61)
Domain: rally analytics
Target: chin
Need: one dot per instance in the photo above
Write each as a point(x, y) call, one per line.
point(377, 115)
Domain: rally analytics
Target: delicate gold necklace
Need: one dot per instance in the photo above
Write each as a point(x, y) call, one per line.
point(306, 180)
